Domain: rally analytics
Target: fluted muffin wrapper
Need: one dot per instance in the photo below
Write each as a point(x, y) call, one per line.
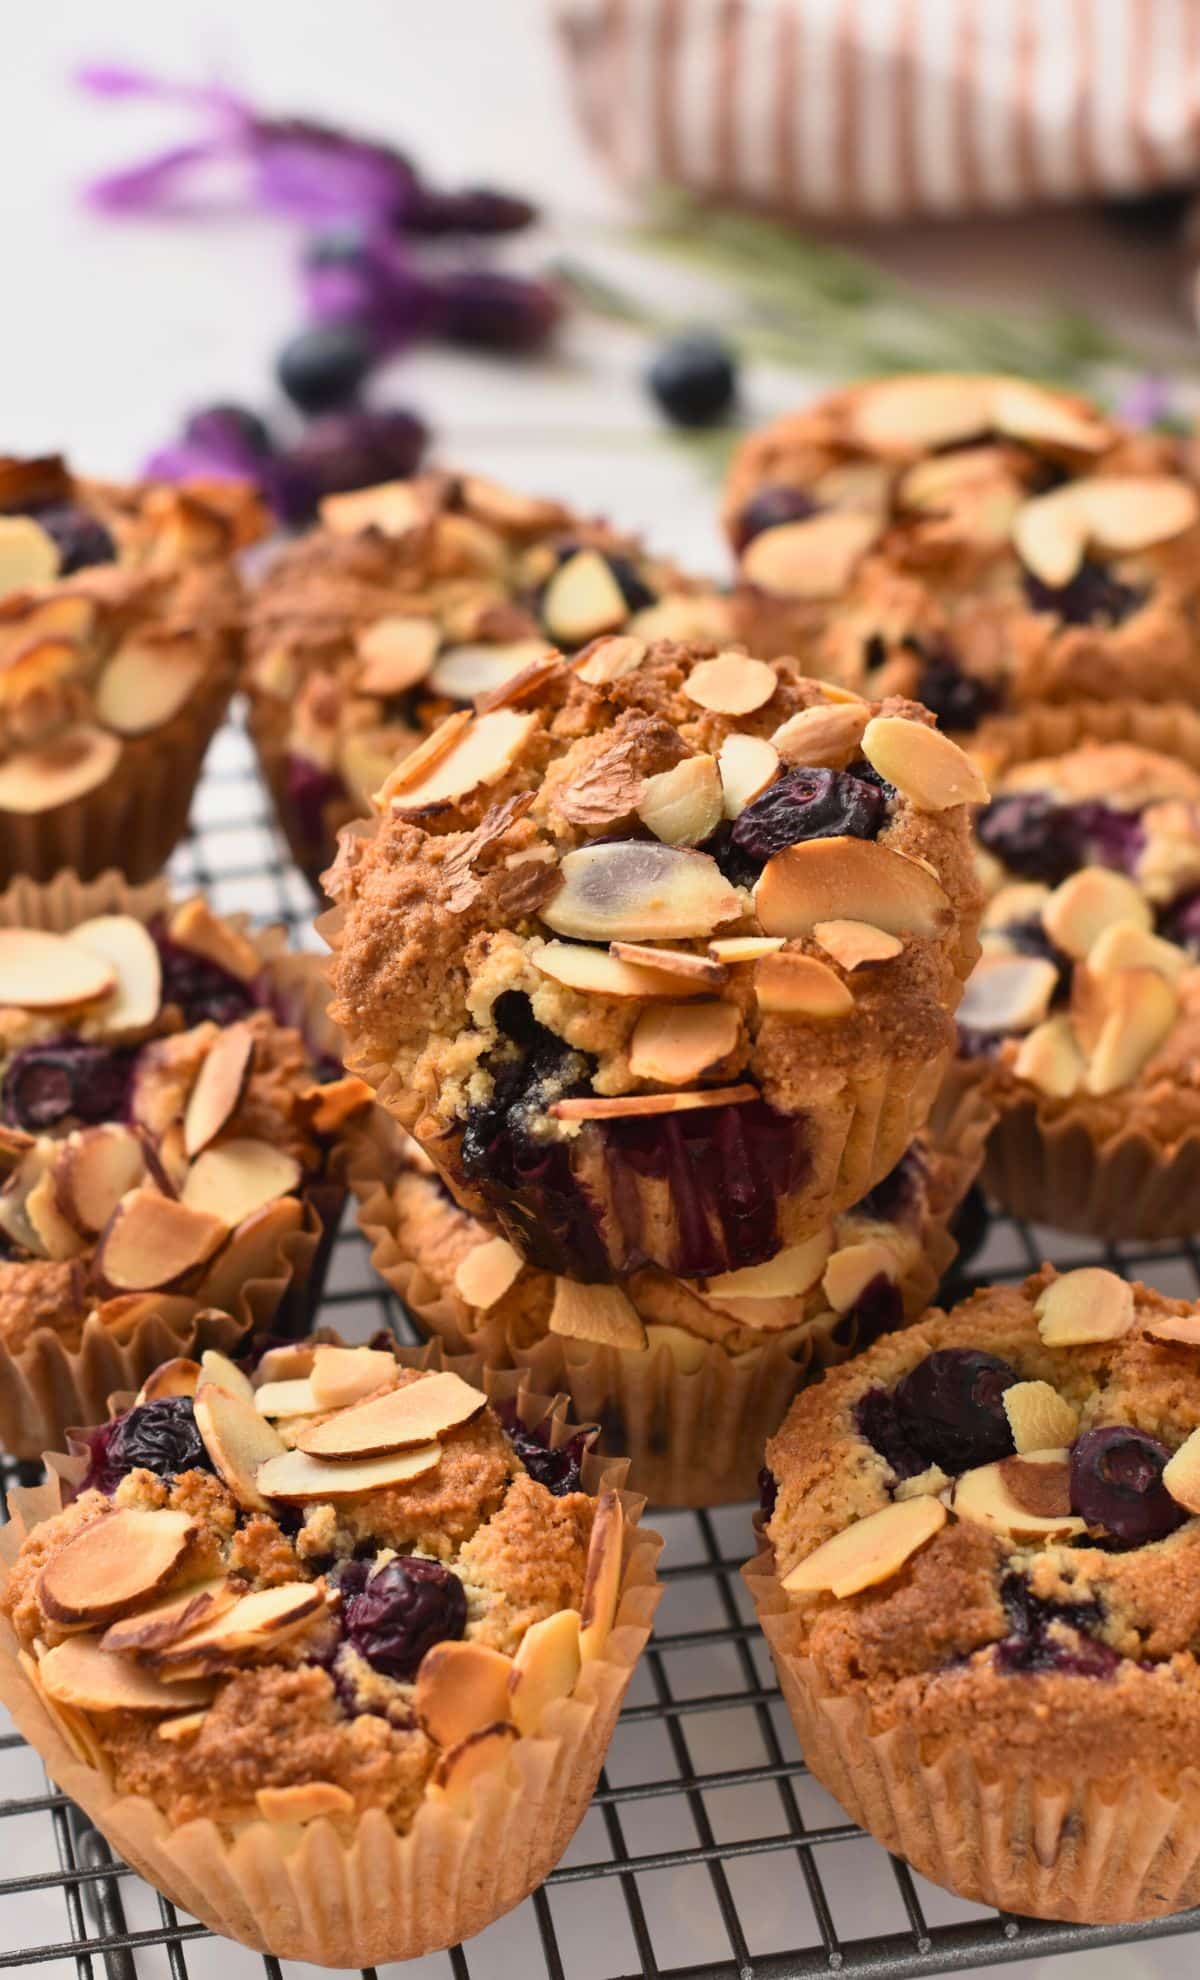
point(359, 1894)
point(691, 1418)
point(1055, 1162)
point(268, 722)
point(1002, 1833)
point(47, 1384)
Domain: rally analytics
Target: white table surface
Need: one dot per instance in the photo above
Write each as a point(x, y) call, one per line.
point(109, 331)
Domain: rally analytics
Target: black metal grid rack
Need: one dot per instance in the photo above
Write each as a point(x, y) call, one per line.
point(709, 1853)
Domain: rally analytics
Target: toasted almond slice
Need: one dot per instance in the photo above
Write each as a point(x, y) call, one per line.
point(746, 764)
point(843, 879)
point(487, 1272)
point(219, 1087)
point(63, 615)
point(507, 508)
point(595, 1313)
point(853, 1268)
point(602, 1576)
point(1181, 1474)
point(684, 969)
point(610, 660)
point(291, 1361)
point(151, 1242)
point(595, 1108)
point(395, 1421)
point(544, 1669)
point(185, 1609)
point(293, 1398)
point(853, 943)
point(71, 763)
point(28, 554)
point(57, 1238)
point(872, 1550)
point(582, 600)
point(735, 949)
point(1089, 903)
point(1174, 1329)
point(1134, 512)
point(730, 684)
point(675, 1043)
point(461, 1688)
point(1140, 1009)
point(143, 687)
point(811, 559)
point(294, 1478)
point(257, 1250)
point(238, 1440)
point(423, 760)
point(177, 1377)
point(36, 669)
point(827, 736)
point(392, 507)
point(307, 1801)
point(483, 753)
point(791, 1272)
point(921, 412)
point(194, 926)
point(239, 1177)
point(460, 1767)
point(928, 769)
point(634, 890)
point(44, 972)
point(465, 673)
point(117, 1561)
point(1050, 1059)
point(1007, 993)
point(121, 1316)
point(1022, 900)
point(1028, 412)
point(1125, 946)
point(683, 805)
point(253, 1623)
point(94, 1168)
point(130, 952)
point(1081, 1307)
point(1039, 1418)
point(793, 985)
point(986, 1497)
point(396, 653)
point(602, 974)
point(185, 1726)
point(341, 1376)
point(216, 1370)
point(337, 1102)
point(79, 1673)
point(1049, 534)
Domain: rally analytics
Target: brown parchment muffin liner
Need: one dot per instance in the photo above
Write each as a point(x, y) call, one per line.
point(692, 1419)
point(1049, 1161)
point(47, 1384)
point(332, 1899)
point(1003, 1834)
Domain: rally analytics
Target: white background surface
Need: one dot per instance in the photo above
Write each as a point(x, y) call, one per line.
point(109, 331)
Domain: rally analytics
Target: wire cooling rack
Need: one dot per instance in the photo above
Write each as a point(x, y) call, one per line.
point(709, 1853)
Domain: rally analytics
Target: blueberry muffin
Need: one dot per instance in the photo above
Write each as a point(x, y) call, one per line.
point(1082, 1017)
point(981, 1586)
point(120, 634)
point(170, 1144)
point(419, 597)
point(332, 1657)
point(979, 543)
point(687, 1378)
point(656, 955)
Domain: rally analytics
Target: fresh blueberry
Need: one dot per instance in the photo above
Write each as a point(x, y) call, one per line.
point(401, 1611)
point(770, 509)
point(694, 379)
point(959, 700)
point(808, 804)
point(1116, 1483)
point(344, 451)
point(81, 537)
point(949, 1408)
point(58, 1077)
point(322, 369)
point(159, 1436)
point(1093, 597)
point(485, 309)
point(231, 432)
point(474, 210)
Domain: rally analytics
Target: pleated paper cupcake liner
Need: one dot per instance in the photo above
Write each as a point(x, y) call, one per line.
point(360, 1894)
point(269, 724)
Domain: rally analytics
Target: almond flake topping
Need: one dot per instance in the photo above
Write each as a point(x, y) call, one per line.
point(582, 600)
point(461, 1688)
point(28, 554)
point(610, 660)
point(117, 1561)
point(293, 1477)
point(598, 1108)
point(600, 973)
point(194, 926)
point(130, 952)
point(1085, 1306)
point(144, 686)
point(928, 769)
point(1119, 514)
point(150, 1629)
point(341, 1376)
point(675, 1043)
point(396, 653)
point(1140, 1008)
point(683, 805)
point(825, 737)
point(255, 1623)
point(1007, 993)
point(237, 1178)
point(481, 1753)
point(40, 971)
point(793, 985)
point(307, 1801)
point(1181, 1474)
point(483, 752)
point(1174, 1329)
point(1088, 904)
point(465, 672)
point(792, 1271)
point(1000, 1497)
point(734, 949)
point(81, 1674)
point(544, 1669)
point(487, 1272)
point(291, 1397)
point(238, 1440)
point(152, 1242)
point(730, 684)
point(847, 879)
point(636, 891)
point(870, 1551)
point(595, 1313)
point(1050, 1059)
point(853, 943)
point(220, 1085)
point(852, 1268)
point(746, 765)
point(394, 1421)
point(93, 1169)
point(679, 964)
point(1039, 1418)
point(811, 559)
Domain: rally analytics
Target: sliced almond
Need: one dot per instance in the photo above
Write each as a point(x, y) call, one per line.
point(73, 762)
point(582, 600)
point(595, 1313)
point(28, 554)
point(460, 1767)
point(684, 805)
point(220, 1084)
point(844, 879)
point(217, 1370)
point(341, 1376)
point(1029, 412)
point(792, 1271)
point(152, 1628)
point(291, 1361)
point(992, 1496)
point(602, 1577)
point(730, 684)
point(152, 1242)
point(544, 1669)
point(593, 1107)
point(793, 985)
point(675, 1043)
point(130, 952)
point(116, 1562)
point(507, 508)
point(1119, 513)
point(258, 1249)
point(464, 673)
point(853, 1267)
point(290, 1398)
point(392, 507)
point(144, 686)
point(610, 660)
point(921, 412)
point(238, 1440)
point(294, 1478)
point(177, 1377)
point(1087, 904)
point(79, 1673)
point(827, 736)
point(396, 652)
point(337, 1101)
point(1050, 1059)
point(43, 972)
point(684, 969)
point(253, 1624)
point(733, 949)
point(872, 1550)
point(94, 1169)
point(1083, 1307)
point(306, 1801)
point(1039, 1418)
point(1174, 1329)
point(1140, 1009)
point(237, 1178)
point(1125, 946)
point(1006, 993)
point(194, 926)
point(631, 890)
point(184, 1727)
point(1021, 900)
point(853, 943)
point(395, 1421)
point(746, 765)
point(595, 972)
point(461, 1688)
point(928, 769)
point(488, 1271)
point(1181, 1474)
point(485, 751)
point(811, 559)
point(1050, 535)
point(57, 1238)
point(420, 762)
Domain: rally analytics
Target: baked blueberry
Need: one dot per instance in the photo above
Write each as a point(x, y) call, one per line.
point(949, 1407)
point(401, 1611)
point(1116, 1484)
point(809, 804)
